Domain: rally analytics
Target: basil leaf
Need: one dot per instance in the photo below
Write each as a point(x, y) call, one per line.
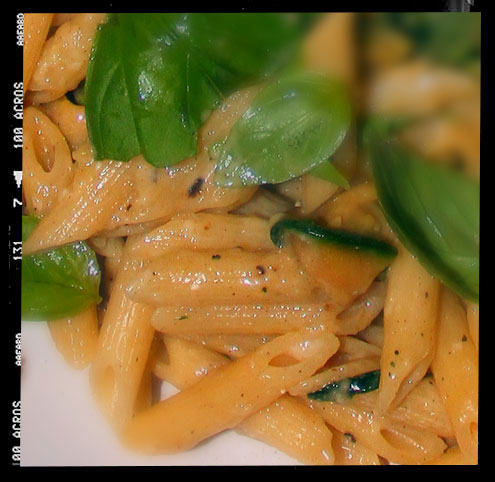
point(294, 124)
point(58, 283)
point(154, 78)
point(434, 211)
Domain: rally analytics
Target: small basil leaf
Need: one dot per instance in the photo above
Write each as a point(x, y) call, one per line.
point(58, 283)
point(154, 78)
point(328, 172)
point(294, 124)
point(434, 211)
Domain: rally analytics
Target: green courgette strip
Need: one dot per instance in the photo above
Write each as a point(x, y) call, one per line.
point(340, 238)
point(347, 387)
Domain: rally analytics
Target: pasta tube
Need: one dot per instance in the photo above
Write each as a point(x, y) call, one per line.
point(205, 231)
point(64, 59)
point(410, 325)
point(46, 162)
point(397, 442)
point(286, 424)
point(456, 372)
point(76, 338)
point(230, 394)
point(262, 319)
point(36, 27)
point(348, 451)
point(222, 278)
point(122, 355)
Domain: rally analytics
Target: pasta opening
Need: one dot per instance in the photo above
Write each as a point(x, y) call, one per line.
point(45, 136)
point(45, 157)
point(283, 360)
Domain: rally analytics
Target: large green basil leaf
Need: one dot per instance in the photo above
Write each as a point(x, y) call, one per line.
point(294, 124)
point(58, 283)
point(434, 211)
point(154, 78)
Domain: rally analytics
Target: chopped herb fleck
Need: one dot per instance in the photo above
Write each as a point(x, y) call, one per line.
point(350, 437)
point(196, 187)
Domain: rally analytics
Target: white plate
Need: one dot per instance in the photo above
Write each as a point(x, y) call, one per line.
point(61, 424)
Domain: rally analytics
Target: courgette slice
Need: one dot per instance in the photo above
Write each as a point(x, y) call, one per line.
point(343, 263)
point(348, 387)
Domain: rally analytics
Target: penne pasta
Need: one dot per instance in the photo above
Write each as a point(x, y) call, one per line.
point(422, 408)
point(221, 277)
point(293, 428)
point(183, 363)
point(270, 319)
point(363, 311)
point(67, 51)
point(348, 451)
point(398, 443)
point(36, 27)
point(70, 119)
point(455, 370)
point(227, 398)
point(417, 88)
point(233, 346)
point(122, 354)
point(286, 424)
point(205, 232)
point(46, 164)
point(76, 338)
point(410, 329)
